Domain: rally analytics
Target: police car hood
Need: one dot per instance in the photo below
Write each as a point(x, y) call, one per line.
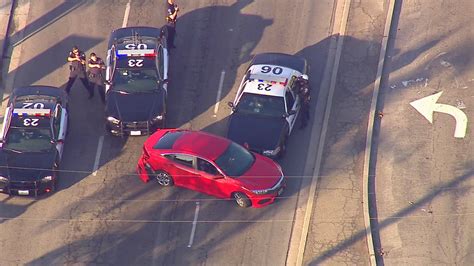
point(27, 166)
point(135, 106)
point(259, 132)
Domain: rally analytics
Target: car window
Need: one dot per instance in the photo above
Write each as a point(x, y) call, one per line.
point(28, 139)
point(205, 166)
point(290, 100)
point(168, 140)
point(182, 159)
point(266, 105)
point(135, 80)
point(235, 160)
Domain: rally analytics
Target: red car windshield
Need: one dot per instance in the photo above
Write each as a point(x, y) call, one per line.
point(235, 161)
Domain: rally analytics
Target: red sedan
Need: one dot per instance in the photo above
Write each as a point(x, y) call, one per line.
point(212, 165)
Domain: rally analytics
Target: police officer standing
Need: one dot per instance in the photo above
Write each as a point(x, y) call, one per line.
point(304, 92)
point(77, 68)
point(171, 18)
point(96, 65)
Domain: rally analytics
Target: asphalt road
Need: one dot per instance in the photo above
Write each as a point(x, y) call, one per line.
point(425, 176)
point(110, 217)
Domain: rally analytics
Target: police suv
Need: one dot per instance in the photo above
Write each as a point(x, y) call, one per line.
point(136, 81)
point(266, 106)
point(34, 129)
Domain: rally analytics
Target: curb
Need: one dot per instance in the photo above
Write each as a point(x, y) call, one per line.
point(370, 133)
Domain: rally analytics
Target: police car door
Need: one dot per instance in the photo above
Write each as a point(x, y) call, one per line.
point(163, 61)
point(109, 67)
point(162, 66)
point(291, 105)
point(60, 128)
point(6, 123)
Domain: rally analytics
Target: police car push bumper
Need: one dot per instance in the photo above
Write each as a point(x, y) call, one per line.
point(137, 128)
point(28, 188)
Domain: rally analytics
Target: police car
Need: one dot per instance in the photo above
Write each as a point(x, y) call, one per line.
point(266, 106)
point(136, 81)
point(34, 129)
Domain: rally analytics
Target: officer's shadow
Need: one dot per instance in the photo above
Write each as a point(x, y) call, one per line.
point(212, 42)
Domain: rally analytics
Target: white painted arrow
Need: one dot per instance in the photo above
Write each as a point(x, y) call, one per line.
point(427, 106)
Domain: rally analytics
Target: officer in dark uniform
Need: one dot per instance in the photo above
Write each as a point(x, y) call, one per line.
point(301, 82)
point(96, 65)
point(77, 68)
point(172, 16)
point(304, 92)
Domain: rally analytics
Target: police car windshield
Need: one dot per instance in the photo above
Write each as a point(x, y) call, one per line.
point(23, 139)
point(266, 105)
point(235, 160)
point(135, 80)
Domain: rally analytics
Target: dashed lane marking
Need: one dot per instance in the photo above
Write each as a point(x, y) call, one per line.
point(193, 230)
point(127, 13)
point(97, 155)
point(219, 93)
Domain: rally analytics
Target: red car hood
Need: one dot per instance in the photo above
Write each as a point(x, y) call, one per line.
point(263, 174)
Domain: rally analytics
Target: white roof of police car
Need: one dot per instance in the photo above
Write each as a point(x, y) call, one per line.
point(278, 82)
point(276, 89)
point(256, 71)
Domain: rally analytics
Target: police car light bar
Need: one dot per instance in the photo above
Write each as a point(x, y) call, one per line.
point(267, 78)
point(135, 52)
point(31, 112)
point(271, 81)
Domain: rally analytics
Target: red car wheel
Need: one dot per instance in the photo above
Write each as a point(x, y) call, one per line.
point(241, 199)
point(164, 179)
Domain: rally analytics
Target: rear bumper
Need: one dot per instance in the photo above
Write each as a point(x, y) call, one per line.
point(144, 170)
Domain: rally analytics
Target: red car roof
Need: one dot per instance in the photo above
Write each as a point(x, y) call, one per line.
point(202, 144)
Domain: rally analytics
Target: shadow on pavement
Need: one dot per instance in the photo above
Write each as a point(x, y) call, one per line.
point(210, 40)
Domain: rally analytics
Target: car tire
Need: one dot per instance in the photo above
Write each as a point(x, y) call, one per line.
point(282, 148)
point(241, 199)
point(164, 179)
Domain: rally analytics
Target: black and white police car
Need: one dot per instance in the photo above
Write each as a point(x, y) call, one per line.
point(266, 106)
point(34, 129)
point(136, 78)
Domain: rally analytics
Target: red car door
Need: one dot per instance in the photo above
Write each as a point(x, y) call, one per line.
point(211, 181)
point(182, 171)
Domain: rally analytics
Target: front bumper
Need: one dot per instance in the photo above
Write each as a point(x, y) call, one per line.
point(134, 128)
point(262, 200)
point(27, 188)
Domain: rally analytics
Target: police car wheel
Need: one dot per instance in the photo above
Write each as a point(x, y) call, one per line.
point(241, 199)
point(282, 148)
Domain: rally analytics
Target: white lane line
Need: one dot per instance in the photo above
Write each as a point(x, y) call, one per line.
point(193, 230)
point(125, 16)
point(322, 138)
point(97, 155)
point(219, 92)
